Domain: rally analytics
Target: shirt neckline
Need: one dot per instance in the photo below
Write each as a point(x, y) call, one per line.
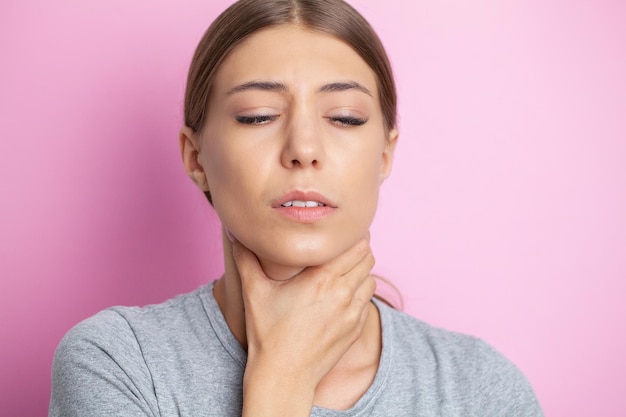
point(234, 349)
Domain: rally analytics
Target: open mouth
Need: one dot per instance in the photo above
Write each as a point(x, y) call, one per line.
point(301, 203)
point(305, 207)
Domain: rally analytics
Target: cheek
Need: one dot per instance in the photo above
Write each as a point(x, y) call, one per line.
point(220, 175)
point(227, 177)
point(237, 179)
point(363, 189)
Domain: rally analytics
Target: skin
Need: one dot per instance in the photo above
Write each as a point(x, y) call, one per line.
point(293, 109)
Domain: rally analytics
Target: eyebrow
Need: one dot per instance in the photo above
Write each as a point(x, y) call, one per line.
point(344, 86)
point(259, 85)
point(282, 88)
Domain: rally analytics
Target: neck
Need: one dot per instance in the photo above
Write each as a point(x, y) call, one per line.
point(363, 354)
point(227, 290)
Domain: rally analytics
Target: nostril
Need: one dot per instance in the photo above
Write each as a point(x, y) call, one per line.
point(296, 162)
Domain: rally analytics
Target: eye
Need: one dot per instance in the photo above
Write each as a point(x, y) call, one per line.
point(346, 121)
point(256, 120)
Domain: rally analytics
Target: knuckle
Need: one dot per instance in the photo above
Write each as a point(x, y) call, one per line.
point(353, 315)
point(344, 295)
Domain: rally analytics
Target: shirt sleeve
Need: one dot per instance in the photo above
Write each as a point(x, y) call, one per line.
point(99, 370)
point(500, 388)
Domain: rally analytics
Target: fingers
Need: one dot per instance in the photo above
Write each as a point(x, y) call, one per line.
point(359, 254)
point(345, 262)
point(366, 290)
point(347, 272)
point(309, 321)
point(343, 275)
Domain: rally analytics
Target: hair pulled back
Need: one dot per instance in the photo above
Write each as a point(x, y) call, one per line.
point(243, 18)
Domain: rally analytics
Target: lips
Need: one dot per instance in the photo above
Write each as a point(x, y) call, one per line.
point(300, 203)
point(302, 199)
point(304, 207)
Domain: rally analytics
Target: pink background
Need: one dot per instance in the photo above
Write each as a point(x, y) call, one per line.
point(504, 216)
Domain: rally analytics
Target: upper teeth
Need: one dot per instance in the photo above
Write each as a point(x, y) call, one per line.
point(300, 203)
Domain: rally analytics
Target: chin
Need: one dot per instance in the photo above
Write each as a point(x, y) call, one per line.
point(302, 253)
point(299, 258)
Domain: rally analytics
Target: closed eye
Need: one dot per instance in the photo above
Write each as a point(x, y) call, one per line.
point(348, 121)
point(256, 120)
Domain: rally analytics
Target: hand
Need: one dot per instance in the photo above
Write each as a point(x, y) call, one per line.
point(297, 330)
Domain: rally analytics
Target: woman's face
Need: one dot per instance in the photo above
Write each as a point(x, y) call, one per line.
point(294, 120)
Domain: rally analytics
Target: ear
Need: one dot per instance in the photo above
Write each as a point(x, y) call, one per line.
point(190, 152)
point(387, 157)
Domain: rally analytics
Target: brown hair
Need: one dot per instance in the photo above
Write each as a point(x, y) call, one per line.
point(245, 17)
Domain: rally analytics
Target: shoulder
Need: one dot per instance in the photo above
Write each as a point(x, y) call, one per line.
point(98, 366)
point(461, 365)
point(500, 385)
point(101, 363)
point(120, 327)
point(104, 337)
point(411, 336)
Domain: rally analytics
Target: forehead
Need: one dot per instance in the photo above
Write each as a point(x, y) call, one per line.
point(297, 56)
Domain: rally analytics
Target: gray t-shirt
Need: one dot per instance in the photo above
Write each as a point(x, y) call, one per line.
point(179, 358)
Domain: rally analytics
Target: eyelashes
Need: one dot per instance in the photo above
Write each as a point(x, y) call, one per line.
point(342, 121)
point(348, 121)
point(256, 120)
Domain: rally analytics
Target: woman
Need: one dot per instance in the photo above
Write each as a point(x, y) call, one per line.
point(290, 114)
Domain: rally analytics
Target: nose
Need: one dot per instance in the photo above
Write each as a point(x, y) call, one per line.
point(303, 143)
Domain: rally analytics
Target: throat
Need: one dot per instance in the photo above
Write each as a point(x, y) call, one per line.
point(279, 272)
